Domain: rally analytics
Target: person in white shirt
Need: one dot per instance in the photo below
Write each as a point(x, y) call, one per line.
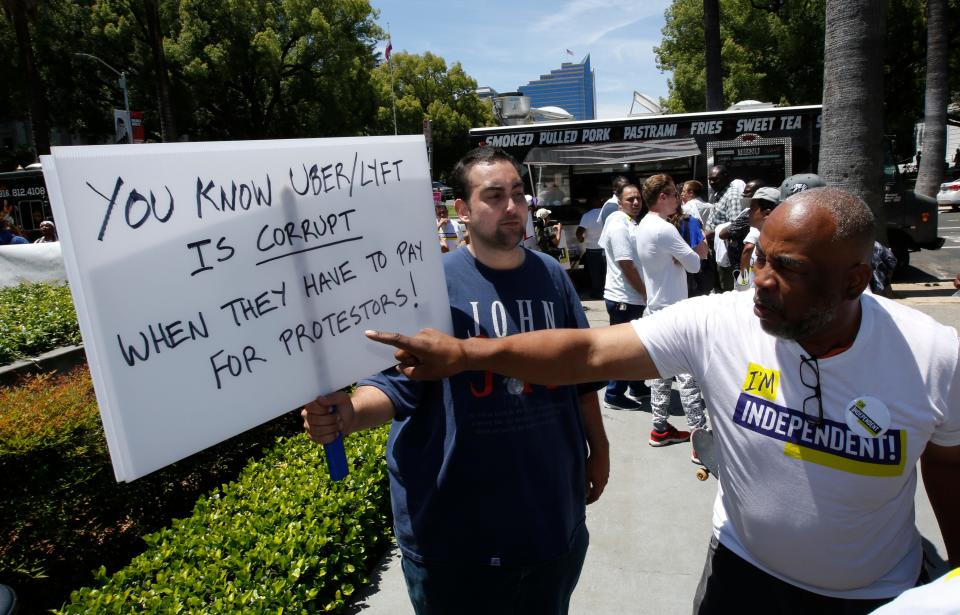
point(623, 291)
point(665, 259)
point(822, 399)
point(588, 233)
point(613, 203)
point(448, 233)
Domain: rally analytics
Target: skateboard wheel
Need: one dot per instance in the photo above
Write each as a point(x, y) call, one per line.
point(702, 474)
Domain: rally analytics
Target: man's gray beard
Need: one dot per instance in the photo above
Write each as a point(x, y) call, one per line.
point(816, 318)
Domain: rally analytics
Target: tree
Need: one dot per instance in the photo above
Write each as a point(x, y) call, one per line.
point(288, 68)
point(136, 30)
point(18, 13)
point(851, 153)
point(765, 55)
point(936, 100)
point(775, 53)
point(714, 67)
point(426, 89)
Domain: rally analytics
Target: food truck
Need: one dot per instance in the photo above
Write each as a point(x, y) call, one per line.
point(570, 165)
point(27, 193)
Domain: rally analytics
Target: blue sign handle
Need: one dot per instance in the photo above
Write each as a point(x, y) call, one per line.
point(336, 456)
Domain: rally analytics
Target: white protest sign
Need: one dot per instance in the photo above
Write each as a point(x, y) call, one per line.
point(218, 285)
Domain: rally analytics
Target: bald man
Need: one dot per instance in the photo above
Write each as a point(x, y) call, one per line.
point(823, 399)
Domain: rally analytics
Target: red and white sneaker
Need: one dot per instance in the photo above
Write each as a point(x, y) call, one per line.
point(670, 435)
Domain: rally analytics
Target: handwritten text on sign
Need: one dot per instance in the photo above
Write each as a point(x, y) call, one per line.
point(222, 284)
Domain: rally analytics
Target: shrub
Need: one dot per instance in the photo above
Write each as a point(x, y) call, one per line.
point(63, 514)
point(282, 538)
point(35, 318)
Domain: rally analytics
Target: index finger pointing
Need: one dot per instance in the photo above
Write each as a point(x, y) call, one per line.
point(389, 338)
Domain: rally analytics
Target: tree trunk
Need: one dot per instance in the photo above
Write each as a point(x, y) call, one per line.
point(168, 126)
point(851, 137)
point(711, 36)
point(935, 101)
point(39, 117)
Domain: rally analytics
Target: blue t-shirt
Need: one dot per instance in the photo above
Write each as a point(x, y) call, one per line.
point(692, 232)
point(487, 469)
point(8, 238)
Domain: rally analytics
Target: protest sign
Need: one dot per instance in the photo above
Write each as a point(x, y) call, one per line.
point(218, 285)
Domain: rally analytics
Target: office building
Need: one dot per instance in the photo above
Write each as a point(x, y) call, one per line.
point(571, 87)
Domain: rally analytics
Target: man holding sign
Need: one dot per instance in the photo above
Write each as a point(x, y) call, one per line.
point(489, 475)
point(823, 400)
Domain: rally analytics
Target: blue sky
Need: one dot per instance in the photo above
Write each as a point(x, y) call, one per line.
point(504, 44)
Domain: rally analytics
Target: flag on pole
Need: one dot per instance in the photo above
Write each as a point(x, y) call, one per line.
point(569, 53)
point(386, 52)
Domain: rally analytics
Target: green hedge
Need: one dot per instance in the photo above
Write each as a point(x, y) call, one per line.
point(35, 318)
point(62, 513)
point(281, 538)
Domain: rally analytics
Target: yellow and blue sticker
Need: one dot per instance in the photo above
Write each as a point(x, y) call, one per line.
point(868, 451)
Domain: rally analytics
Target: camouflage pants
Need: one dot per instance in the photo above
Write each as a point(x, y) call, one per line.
point(690, 398)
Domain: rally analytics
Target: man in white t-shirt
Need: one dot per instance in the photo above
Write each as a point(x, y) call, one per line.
point(822, 400)
point(623, 291)
point(588, 233)
point(665, 259)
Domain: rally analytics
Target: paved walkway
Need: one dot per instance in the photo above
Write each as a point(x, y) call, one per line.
point(649, 531)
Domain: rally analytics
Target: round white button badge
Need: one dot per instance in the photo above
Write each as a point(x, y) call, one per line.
point(868, 417)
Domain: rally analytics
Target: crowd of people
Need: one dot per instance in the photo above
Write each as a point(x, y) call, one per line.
point(497, 440)
point(11, 234)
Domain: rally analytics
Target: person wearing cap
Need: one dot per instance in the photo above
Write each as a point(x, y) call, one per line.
point(764, 200)
point(48, 232)
point(623, 292)
point(825, 402)
point(548, 233)
point(798, 183)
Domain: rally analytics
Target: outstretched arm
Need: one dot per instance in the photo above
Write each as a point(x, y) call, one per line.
point(551, 356)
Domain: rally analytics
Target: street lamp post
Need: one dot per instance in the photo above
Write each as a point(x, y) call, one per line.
point(123, 85)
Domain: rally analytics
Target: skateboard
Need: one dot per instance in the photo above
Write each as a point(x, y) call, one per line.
point(708, 453)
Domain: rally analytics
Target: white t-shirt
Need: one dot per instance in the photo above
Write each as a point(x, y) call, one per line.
point(592, 228)
point(830, 510)
point(450, 235)
point(618, 243)
point(664, 259)
point(530, 235)
point(935, 598)
point(690, 209)
point(611, 205)
point(704, 208)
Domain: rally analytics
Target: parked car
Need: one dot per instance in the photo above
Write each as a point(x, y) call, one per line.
point(446, 192)
point(949, 194)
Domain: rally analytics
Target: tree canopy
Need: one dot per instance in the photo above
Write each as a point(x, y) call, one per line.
point(426, 89)
point(778, 57)
point(245, 69)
